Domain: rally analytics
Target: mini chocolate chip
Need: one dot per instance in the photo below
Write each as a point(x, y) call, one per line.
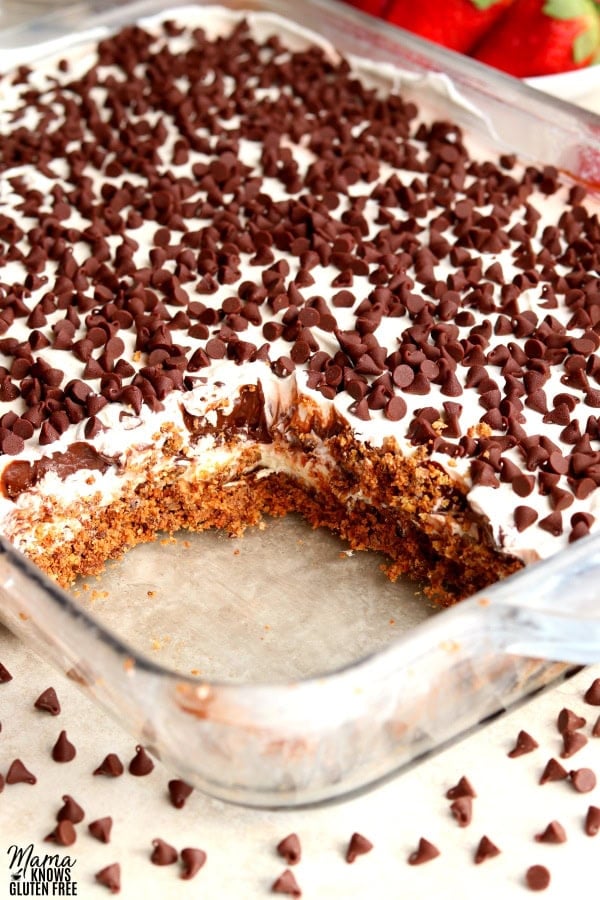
point(569, 721)
point(286, 884)
point(18, 773)
point(289, 847)
point(101, 829)
point(5, 675)
point(583, 780)
point(524, 744)
point(163, 854)
point(358, 846)
point(192, 860)
point(70, 810)
point(63, 750)
point(573, 741)
point(524, 517)
point(553, 771)
point(111, 766)
point(554, 833)
point(63, 834)
point(486, 849)
point(179, 791)
point(110, 877)
point(141, 764)
point(462, 810)
point(425, 852)
point(463, 788)
point(592, 694)
point(592, 821)
point(48, 701)
point(537, 878)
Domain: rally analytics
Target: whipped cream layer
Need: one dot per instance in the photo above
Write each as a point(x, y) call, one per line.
point(224, 200)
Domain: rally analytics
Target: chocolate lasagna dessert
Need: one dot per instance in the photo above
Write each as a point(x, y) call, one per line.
point(239, 277)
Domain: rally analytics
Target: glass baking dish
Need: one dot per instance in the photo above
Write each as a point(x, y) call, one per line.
point(315, 677)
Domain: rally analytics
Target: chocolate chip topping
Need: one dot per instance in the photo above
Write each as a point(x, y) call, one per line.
point(48, 702)
point(289, 847)
point(421, 304)
point(357, 846)
point(110, 877)
point(462, 810)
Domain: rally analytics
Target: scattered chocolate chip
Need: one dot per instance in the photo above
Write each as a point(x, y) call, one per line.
point(163, 854)
point(554, 833)
point(569, 721)
point(425, 852)
point(5, 675)
point(486, 849)
point(48, 702)
point(141, 764)
point(64, 833)
point(70, 810)
point(583, 780)
point(101, 829)
point(524, 744)
point(179, 791)
point(596, 728)
point(358, 846)
point(537, 878)
point(592, 821)
point(592, 695)
point(463, 788)
point(289, 847)
point(110, 877)
point(63, 750)
point(17, 773)
point(553, 771)
point(286, 884)
point(462, 810)
point(192, 860)
point(110, 766)
point(573, 741)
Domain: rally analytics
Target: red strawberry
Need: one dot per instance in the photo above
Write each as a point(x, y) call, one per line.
point(457, 24)
point(543, 37)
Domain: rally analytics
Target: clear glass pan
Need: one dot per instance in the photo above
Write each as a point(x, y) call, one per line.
point(338, 708)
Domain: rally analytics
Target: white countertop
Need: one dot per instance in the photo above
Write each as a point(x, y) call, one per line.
point(510, 808)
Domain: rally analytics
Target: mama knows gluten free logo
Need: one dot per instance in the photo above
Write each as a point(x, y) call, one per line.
point(33, 875)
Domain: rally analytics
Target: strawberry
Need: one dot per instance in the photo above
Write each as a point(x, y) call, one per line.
point(543, 37)
point(457, 24)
